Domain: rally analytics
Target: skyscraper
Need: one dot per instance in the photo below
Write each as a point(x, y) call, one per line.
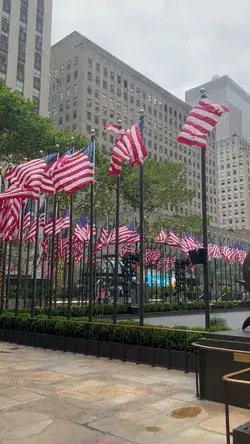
point(90, 87)
point(25, 48)
point(225, 91)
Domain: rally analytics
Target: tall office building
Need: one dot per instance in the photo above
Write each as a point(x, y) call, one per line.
point(25, 48)
point(234, 183)
point(89, 87)
point(225, 91)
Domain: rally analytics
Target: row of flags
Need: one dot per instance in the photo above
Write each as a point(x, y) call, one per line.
point(188, 243)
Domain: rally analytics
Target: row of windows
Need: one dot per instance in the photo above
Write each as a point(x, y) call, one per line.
point(69, 66)
point(67, 118)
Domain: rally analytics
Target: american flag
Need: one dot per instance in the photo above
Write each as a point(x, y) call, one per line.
point(30, 175)
point(76, 171)
point(202, 119)
point(114, 128)
point(81, 230)
point(134, 237)
point(129, 147)
point(31, 236)
point(61, 223)
point(10, 211)
point(125, 232)
point(173, 240)
point(27, 216)
point(161, 238)
point(102, 242)
point(15, 192)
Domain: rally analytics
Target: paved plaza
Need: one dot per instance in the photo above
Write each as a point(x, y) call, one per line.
point(62, 398)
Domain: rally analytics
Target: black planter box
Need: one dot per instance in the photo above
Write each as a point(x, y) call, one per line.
point(131, 353)
point(80, 346)
point(41, 340)
point(70, 345)
point(59, 343)
point(215, 362)
point(32, 339)
point(162, 357)
point(23, 338)
point(104, 349)
point(112, 350)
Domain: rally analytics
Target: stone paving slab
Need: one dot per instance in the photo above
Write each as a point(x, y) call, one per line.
point(60, 398)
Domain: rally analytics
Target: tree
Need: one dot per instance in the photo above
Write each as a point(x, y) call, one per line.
point(179, 224)
point(164, 183)
point(24, 134)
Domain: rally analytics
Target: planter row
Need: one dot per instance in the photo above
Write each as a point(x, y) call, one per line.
point(170, 359)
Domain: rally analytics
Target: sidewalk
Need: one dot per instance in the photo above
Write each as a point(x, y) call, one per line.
point(56, 398)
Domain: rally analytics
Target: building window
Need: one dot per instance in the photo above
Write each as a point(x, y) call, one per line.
point(97, 94)
point(90, 63)
point(61, 108)
point(19, 86)
point(119, 92)
point(54, 111)
point(125, 83)
point(68, 91)
point(97, 119)
point(62, 69)
point(105, 71)
point(119, 79)
point(61, 95)
point(76, 88)
point(75, 101)
point(97, 80)
point(105, 84)
point(112, 76)
point(89, 103)
point(97, 67)
point(69, 64)
point(88, 115)
point(68, 78)
point(112, 88)
point(61, 82)
point(89, 75)
point(67, 118)
point(60, 121)
point(76, 60)
point(74, 127)
point(89, 89)
point(75, 114)
point(68, 104)
point(76, 74)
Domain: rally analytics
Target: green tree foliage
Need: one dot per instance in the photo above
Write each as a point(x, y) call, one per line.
point(23, 133)
point(164, 183)
point(178, 223)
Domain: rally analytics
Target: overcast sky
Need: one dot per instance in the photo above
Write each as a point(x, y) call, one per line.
point(176, 43)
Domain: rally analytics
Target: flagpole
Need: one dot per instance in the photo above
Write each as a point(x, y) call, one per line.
point(26, 275)
point(8, 282)
point(117, 223)
point(33, 300)
point(4, 276)
point(141, 261)
point(204, 229)
point(70, 275)
point(20, 251)
point(90, 310)
point(52, 263)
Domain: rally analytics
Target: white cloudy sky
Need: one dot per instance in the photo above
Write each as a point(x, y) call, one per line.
point(176, 43)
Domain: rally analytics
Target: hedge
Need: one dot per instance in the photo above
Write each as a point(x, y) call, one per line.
point(107, 309)
point(127, 332)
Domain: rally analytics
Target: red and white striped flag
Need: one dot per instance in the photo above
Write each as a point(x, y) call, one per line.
point(201, 120)
point(173, 240)
point(161, 238)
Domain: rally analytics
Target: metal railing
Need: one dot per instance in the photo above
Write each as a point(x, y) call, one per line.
point(227, 379)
